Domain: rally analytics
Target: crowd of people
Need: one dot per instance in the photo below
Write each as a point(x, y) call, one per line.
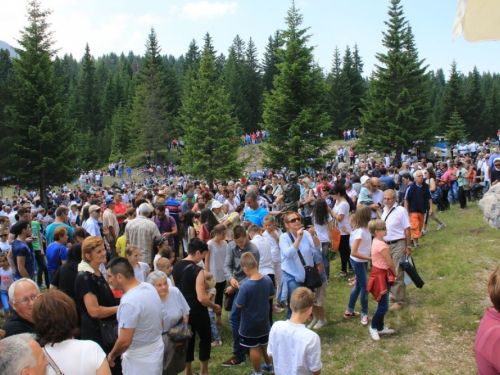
point(134, 274)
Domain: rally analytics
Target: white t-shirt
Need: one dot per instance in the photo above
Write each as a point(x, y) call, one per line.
point(7, 278)
point(343, 209)
point(141, 271)
point(322, 230)
point(275, 247)
point(377, 197)
point(141, 308)
point(396, 223)
point(365, 246)
point(217, 259)
point(4, 246)
point(295, 349)
point(484, 169)
point(82, 357)
point(266, 260)
point(174, 308)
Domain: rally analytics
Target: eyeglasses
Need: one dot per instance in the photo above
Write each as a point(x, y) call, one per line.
point(3, 235)
point(294, 220)
point(26, 300)
point(497, 165)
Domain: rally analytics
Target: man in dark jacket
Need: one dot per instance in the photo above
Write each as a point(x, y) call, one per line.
point(22, 294)
point(417, 200)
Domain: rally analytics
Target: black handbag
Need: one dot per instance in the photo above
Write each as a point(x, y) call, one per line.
point(109, 331)
point(228, 301)
point(409, 267)
point(312, 279)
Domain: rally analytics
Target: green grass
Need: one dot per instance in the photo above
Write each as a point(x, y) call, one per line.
point(435, 334)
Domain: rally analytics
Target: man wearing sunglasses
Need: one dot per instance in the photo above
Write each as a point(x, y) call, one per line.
point(22, 294)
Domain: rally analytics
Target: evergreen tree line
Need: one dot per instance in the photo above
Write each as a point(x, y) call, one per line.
point(116, 105)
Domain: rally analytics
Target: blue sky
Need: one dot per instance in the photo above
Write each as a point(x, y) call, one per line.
point(123, 25)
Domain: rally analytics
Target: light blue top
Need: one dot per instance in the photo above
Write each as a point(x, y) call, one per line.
point(290, 261)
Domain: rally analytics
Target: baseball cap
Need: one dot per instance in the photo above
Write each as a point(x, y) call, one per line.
point(216, 204)
point(109, 200)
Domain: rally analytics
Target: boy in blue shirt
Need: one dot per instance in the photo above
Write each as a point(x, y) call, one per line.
point(253, 300)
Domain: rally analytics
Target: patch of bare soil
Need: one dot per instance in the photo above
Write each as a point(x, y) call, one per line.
point(477, 230)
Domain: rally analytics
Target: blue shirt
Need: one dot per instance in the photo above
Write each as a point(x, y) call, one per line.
point(388, 181)
point(418, 197)
point(253, 299)
point(49, 232)
point(52, 250)
point(255, 217)
point(21, 249)
point(290, 261)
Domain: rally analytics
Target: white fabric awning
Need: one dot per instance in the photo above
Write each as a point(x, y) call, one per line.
point(477, 20)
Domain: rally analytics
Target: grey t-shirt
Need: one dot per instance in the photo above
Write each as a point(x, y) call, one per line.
point(174, 308)
point(141, 309)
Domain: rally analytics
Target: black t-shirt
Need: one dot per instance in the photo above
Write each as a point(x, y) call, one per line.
point(185, 273)
point(16, 325)
point(87, 282)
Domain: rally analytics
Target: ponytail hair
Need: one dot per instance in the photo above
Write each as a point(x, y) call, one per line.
point(218, 229)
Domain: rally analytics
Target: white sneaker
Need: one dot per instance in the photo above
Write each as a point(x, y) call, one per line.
point(364, 320)
point(441, 226)
point(374, 333)
point(312, 324)
point(386, 331)
point(320, 324)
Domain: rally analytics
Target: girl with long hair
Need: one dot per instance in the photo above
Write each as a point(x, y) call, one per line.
point(323, 225)
point(187, 231)
point(208, 221)
point(341, 211)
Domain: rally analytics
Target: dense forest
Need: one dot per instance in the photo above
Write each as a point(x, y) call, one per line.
point(118, 105)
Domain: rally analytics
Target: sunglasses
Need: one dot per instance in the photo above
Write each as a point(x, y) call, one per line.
point(294, 220)
point(3, 235)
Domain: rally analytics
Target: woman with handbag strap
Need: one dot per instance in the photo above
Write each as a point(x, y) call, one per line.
point(55, 317)
point(175, 308)
point(341, 211)
point(291, 242)
point(95, 300)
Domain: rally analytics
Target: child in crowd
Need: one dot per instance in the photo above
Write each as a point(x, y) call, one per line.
point(381, 278)
point(211, 293)
point(160, 250)
point(134, 256)
point(7, 278)
point(253, 299)
point(293, 348)
point(273, 236)
point(214, 262)
point(365, 195)
point(361, 243)
point(165, 265)
point(4, 243)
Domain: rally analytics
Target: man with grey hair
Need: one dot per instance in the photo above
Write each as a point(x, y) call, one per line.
point(22, 295)
point(142, 232)
point(22, 355)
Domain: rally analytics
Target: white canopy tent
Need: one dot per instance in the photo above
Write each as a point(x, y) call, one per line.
point(477, 20)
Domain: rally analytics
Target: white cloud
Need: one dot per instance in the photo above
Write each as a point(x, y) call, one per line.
point(205, 9)
point(174, 9)
point(149, 19)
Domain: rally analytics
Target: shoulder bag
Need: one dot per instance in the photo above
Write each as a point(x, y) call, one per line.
point(312, 279)
point(52, 363)
point(109, 331)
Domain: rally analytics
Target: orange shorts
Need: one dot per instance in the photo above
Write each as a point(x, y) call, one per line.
point(416, 224)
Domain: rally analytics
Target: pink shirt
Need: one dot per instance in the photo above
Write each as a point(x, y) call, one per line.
point(377, 258)
point(487, 343)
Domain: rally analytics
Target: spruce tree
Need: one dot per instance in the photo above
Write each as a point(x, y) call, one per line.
point(475, 106)
point(43, 153)
point(453, 97)
point(120, 127)
point(5, 97)
point(211, 148)
point(151, 122)
point(339, 95)
point(236, 88)
point(438, 82)
point(293, 113)
point(253, 79)
point(397, 111)
point(492, 110)
point(271, 61)
point(456, 129)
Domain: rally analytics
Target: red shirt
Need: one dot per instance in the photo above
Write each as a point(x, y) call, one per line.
point(487, 343)
point(120, 208)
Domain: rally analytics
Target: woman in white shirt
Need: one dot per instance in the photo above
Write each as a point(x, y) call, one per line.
point(323, 225)
point(56, 323)
point(341, 215)
point(361, 244)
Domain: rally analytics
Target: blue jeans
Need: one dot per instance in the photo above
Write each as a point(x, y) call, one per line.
point(234, 322)
point(5, 300)
point(383, 306)
point(360, 269)
point(325, 253)
point(453, 192)
point(292, 285)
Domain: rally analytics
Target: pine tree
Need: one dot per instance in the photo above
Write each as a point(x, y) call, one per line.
point(397, 111)
point(253, 79)
point(292, 111)
point(453, 97)
point(456, 129)
point(271, 61)
point(492, 110)
point(151, 121)
point(43, 153)
point(348, 74)
point(339, 95)
point(190, 67)
point(236, 88)
point(6, 79)
point(211, 150)
point(438, 82)
point(120, 127)
point(475, 107)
